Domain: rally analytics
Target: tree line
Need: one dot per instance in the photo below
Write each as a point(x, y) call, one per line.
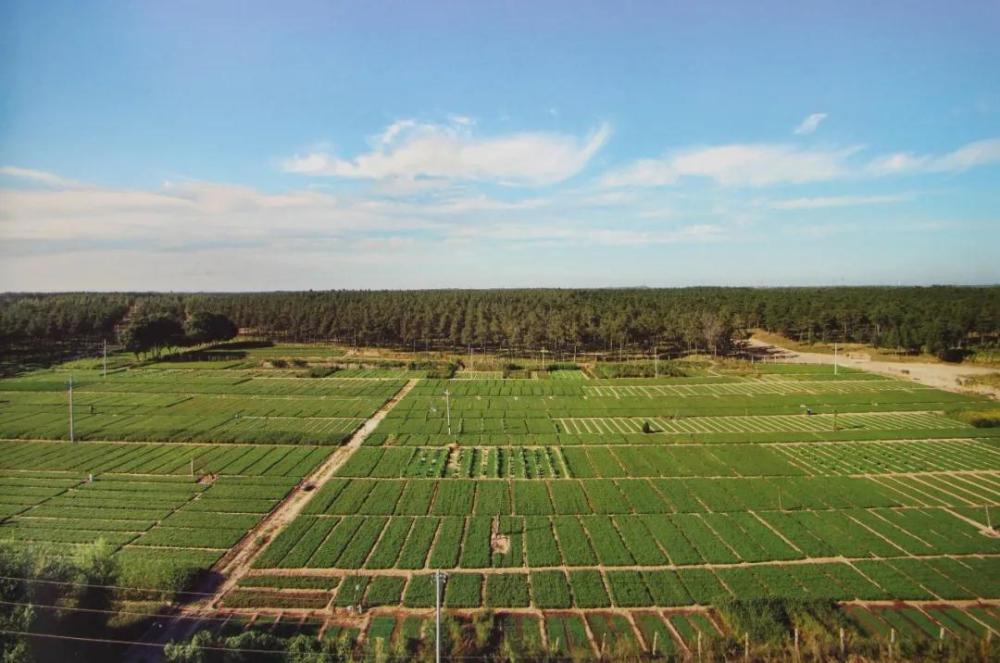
point(934, 319)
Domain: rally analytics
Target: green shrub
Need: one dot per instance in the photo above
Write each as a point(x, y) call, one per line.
point(770, 620)
point(981, 418)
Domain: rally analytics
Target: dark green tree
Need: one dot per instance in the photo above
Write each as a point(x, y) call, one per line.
point(152, 335)
point(205, 327)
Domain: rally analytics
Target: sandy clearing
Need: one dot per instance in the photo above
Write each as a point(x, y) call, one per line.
point(939, 376)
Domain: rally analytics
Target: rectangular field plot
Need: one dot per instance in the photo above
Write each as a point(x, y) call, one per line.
point(164, 528)
point(178, 459)
point(749, 425)
point(614, 535)
point(894, 457)
point(755, 388)
point(174, 405)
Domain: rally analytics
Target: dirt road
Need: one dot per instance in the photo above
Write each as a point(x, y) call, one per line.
point(939, 376)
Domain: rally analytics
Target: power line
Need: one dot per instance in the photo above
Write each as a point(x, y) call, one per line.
point(139, 643)
point(65, 583)
point(116, 612)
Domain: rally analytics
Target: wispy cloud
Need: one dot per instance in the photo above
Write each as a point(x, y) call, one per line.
point(809, 124)
point(37, 177)
point(411, 150)
point(569, 233)
point(971, 155)
point(765, 164)
point(737, 165)
point(819, 202)
point(197, 218)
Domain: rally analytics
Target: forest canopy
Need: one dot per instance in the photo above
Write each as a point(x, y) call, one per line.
point(933, 319)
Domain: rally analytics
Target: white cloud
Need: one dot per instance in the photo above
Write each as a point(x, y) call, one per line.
point(195, 217)
point(900, 162)
point(818, 202)
point(979, 153)
point(192, 211)
point(37, 177)
point(763, 164)
point(411, 150)
point(570, 233)
point(737, 165)
point(809, 124)
point(971, 155)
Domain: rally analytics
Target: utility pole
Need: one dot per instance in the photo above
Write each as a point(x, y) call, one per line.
point(835, 358)
point(105, 359)
point(447, 408)
point(439, 579)
point(71, 409)
point(656, 362)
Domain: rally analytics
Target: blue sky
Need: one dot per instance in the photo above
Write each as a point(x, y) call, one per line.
point(252, 145)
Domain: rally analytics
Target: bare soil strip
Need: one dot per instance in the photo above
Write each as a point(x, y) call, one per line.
point(238, 561)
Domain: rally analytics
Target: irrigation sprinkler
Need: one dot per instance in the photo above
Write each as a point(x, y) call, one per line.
point(439, 579)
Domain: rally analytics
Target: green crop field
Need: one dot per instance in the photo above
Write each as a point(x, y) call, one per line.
point(665, 493)
point(172, 463)
point(597, 515)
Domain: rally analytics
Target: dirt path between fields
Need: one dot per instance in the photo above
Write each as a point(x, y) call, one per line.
point(238, 561)
point(940, 376)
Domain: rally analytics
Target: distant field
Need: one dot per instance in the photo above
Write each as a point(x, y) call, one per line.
point(190, 405)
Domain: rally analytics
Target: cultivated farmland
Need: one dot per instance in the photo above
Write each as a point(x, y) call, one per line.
point(594, 514)
point(660, 493)
point(172, 463)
